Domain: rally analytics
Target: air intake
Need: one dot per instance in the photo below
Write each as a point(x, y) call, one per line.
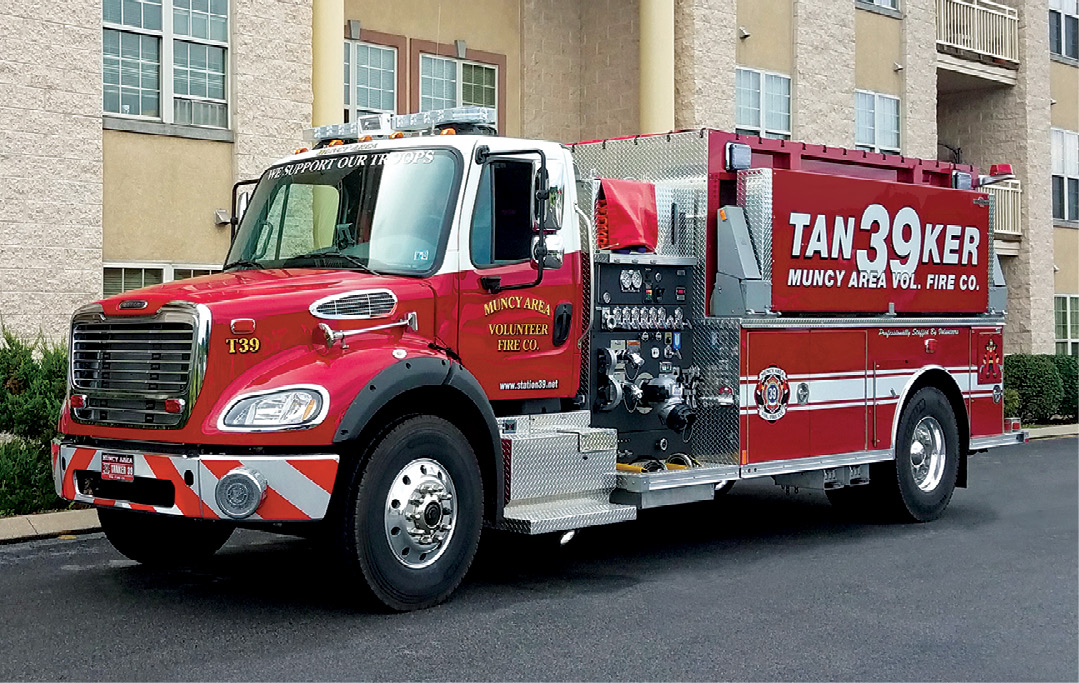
point(362, 305)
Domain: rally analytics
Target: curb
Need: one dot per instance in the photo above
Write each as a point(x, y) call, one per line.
point(47, 525)
point(1055, 430)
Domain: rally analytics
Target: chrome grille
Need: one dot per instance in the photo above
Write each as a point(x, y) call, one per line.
point(128, 368)
point(376, 303)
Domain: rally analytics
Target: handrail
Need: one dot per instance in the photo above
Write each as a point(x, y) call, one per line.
point(979, 26)
point(1008, 200)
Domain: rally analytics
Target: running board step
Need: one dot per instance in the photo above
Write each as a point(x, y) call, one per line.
point(563, 514)
point(645, 490)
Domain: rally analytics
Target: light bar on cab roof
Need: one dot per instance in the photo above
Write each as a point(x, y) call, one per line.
point(383, 125)
point(427, 120)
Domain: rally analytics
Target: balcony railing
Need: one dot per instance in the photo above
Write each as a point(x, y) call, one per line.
point(979, 28)
point(1008, 201)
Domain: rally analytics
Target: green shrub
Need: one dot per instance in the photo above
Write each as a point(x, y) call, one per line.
point(1011, 403)
point(1038, 383)
point(1068, 369)
point(33, 381)
point(26, 484)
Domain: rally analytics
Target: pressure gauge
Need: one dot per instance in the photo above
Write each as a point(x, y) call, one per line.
point(638, 279)
point(606, 297)
point(635, 317)
point(626, 280)
point(617, 316)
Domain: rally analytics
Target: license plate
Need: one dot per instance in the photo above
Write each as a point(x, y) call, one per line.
point(117, 467)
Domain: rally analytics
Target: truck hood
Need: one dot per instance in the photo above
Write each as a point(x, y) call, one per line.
point(268, 291)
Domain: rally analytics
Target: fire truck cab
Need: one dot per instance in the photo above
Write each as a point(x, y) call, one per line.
point(423, 329)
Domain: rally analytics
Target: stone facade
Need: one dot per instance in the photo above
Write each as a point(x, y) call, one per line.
point(823, 79)
point(919, 112)
point(271, 92)
point(704, 63)
point(551, 70)
point(50, 164)
point(1012, 125)
point(610, 58)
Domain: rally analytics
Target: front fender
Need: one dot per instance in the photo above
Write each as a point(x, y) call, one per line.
point(344, 374)
point(415, 373)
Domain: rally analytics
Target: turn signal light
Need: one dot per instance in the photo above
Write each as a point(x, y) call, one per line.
point(77, 400)
point(366, 138)
point(242, 326)
point(335, 143)
point(300, 150)
point(174, 405)
point(448, 131)
point(396, 136)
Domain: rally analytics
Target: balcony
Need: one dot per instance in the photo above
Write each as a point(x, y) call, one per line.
point(977, 45)
point(1007, 215)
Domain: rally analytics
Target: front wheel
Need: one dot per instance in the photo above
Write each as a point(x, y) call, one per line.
point(412, 524)
point(160, 540)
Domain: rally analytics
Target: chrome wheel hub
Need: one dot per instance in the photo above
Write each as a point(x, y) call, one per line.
point(420, 513)
point(927, 454)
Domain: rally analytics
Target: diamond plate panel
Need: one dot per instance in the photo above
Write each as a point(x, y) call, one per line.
point(549, 421)
point(545, 516)
point(587, 191)
point(677, 164)
point(717, 344)
point(755, 196)
point(550, 465)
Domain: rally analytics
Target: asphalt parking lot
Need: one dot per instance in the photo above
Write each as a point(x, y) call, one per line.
point(758, 585)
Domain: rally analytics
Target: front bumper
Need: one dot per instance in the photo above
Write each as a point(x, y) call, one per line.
point(298, 487)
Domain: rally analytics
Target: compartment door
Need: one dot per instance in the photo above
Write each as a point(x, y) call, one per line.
point(835, 392)
point(776, 427)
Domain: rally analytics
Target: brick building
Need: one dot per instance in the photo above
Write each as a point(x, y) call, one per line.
point(122, 140)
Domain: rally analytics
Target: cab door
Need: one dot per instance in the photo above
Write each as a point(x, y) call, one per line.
point(519, 343)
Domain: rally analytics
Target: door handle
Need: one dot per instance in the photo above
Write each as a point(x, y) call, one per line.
point(563, 316)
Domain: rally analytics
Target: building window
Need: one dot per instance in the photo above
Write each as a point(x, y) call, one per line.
point(1065, 146)
point(762, 104)
point(1066, 317)
point(1064, 28)
point(447, 82)
point(887, 4)
point(370, 79)
point(876, 121)
point(124, 277)
point(142, 38)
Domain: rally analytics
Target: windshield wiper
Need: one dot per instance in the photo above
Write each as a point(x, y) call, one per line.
point(247, 263)
point(355, 260)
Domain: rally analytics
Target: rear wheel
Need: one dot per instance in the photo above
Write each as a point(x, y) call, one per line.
point(918, 485)
point(160, 540)
point(412, 523)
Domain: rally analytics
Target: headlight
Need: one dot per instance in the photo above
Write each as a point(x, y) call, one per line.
point(284, 408)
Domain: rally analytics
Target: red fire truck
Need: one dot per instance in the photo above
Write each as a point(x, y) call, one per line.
point(423, 329)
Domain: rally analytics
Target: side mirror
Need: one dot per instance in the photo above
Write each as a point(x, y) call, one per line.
point(240, 201)
point(549, 202)
point(550, 251)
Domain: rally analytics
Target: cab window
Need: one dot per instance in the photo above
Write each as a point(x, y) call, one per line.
point(502, 218)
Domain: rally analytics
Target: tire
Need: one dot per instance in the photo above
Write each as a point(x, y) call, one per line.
point(412, 521)
point(918, 485)
point(162, 541)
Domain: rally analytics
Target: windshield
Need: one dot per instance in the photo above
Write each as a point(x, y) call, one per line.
point(386, 212)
